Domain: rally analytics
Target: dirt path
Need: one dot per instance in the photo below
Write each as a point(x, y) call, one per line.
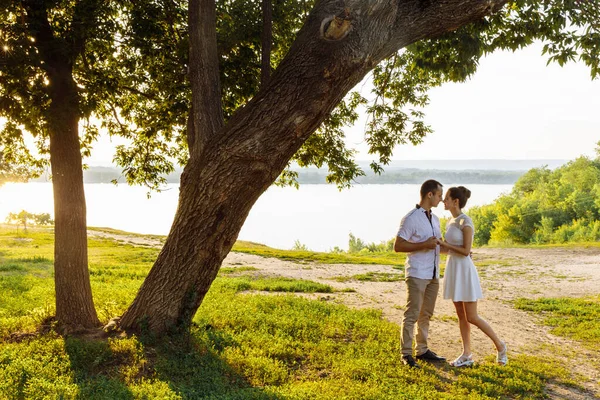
point(506, 274)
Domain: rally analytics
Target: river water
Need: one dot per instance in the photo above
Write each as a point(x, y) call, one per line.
point(317, 216)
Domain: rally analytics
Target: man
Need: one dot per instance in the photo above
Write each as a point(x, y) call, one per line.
point(418, 236)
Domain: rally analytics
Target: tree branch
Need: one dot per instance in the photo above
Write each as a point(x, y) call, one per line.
point(207, 117)
point(414, 16)
point(84, 22)
point(51, 52)
point(333, 51)
point(139, 92)
point(266, 39)
point(116, 115)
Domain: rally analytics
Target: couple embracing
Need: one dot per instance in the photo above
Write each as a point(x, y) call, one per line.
point(419, 236)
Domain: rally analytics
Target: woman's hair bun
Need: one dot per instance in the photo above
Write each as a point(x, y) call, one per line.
point(466, 191)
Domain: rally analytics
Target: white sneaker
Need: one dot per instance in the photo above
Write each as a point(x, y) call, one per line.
point(463, 361)
point(502, 357)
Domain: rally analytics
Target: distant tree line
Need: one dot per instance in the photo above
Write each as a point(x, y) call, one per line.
point(319, 176)
point(545, 206)
point(418, 176)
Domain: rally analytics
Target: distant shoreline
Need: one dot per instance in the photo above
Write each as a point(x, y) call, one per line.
point(490, 172)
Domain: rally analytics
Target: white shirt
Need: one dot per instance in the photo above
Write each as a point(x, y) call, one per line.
point(415, 227)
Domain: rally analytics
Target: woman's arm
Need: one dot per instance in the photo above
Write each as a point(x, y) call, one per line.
point(465, 249)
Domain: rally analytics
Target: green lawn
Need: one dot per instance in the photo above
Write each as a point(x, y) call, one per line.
point(372, 277)
point(571, 317)
point(242, 345)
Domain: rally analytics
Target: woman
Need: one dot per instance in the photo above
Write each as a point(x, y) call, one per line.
point(461, 282)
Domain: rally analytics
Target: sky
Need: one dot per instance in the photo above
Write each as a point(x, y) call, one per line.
point(513, 107)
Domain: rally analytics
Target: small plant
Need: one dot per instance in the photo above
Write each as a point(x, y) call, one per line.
point(299, 246)
point(356, 245)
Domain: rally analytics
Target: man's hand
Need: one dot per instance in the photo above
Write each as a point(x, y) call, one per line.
point(431, 243)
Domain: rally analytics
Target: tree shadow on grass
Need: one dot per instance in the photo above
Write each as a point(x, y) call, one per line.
point(194, 369)
point(174, 367)
point(98, 369)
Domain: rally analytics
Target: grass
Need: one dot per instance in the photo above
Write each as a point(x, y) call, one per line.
point(276, 284)
point(384, 258)
point(445, 318)
point(576, 318)
point(372, 277)
point(502, 245)
point(237, 270)
point(242, 345)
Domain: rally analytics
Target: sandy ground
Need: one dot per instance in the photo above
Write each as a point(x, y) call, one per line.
point(506, 274)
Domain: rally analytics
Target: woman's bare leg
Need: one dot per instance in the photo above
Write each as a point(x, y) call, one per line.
point(465, 327)
point(473, 318)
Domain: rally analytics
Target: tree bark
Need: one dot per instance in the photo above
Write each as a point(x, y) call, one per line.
point(74, 304)
point(206, 112)
point(333, 51)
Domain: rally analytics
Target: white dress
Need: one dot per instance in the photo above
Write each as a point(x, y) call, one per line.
point(461, 281)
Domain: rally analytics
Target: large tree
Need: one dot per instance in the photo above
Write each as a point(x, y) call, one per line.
point(234, 160)
point(49, 82)
point(231, 164)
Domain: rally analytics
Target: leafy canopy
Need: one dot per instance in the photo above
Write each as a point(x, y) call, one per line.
point(132, 76)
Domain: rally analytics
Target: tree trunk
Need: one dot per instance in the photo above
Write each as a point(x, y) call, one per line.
point(332, 53)
point(215, 199)
point(74, 304)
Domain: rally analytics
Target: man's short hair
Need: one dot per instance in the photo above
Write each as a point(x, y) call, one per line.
point(430, 186)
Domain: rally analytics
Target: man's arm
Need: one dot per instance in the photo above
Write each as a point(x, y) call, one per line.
point(402, 245)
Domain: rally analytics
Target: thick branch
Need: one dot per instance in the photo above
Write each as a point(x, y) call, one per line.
point(266, 39)
point(413, 19)
point(332, 53)
point(84, 22)
point(51, 49)
point(207, 117)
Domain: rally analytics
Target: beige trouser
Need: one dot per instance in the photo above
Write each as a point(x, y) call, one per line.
point(422, 294)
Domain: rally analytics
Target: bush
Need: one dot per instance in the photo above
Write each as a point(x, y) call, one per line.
point(25, 217)
point(545, 206)
point(356, 245)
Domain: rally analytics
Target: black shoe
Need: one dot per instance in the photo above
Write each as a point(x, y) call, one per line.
point(410, 361)
point(430, 356)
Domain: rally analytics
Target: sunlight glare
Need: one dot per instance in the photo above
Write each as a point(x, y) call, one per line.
point(34, 198)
